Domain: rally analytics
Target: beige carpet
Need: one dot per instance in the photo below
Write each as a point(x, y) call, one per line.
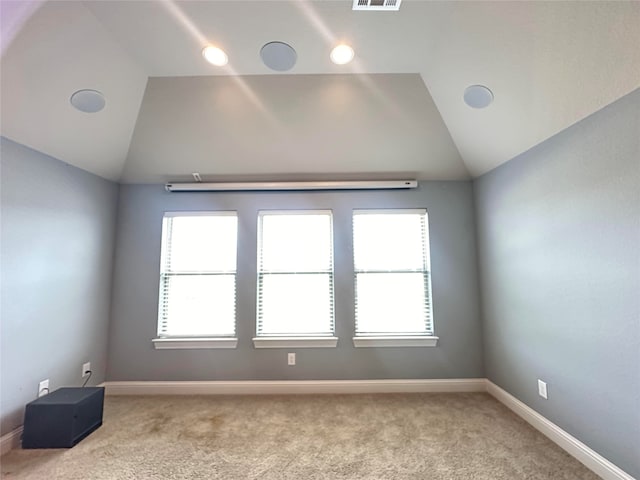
point(396, 436)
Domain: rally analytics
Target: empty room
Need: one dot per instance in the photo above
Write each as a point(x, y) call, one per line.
point(320, 239)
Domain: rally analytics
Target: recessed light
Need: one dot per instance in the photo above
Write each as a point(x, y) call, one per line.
point(478, 96)
point(215, 56)
point(278, 56)
point(342, 54)
point(88, 101)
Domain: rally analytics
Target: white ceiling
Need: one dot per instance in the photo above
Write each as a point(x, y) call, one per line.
point(397, 110)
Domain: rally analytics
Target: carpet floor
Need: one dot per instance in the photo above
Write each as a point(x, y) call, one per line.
point(390, 436)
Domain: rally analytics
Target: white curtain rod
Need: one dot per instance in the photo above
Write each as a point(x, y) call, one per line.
point(270, 186)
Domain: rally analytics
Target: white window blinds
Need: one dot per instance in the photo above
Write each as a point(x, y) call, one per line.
point(198, 274)
point(295, 274)
point(391, 265)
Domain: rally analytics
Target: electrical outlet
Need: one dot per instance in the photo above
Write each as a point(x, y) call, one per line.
point(291, 359)
point(43, 387)
point(86, 368)
point(542, 389)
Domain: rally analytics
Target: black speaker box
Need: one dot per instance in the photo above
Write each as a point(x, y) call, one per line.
point(62, 418)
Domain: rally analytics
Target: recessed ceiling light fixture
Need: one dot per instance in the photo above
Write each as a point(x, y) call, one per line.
point(278, 56)
point(88, 101)
point(478, 96)
point(215, 56)
point(342, 54)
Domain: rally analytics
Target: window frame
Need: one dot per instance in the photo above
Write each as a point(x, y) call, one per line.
point(204, 341)
point(293, 340)
point(399, 339)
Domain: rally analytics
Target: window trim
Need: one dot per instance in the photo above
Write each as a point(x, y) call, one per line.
point(399, 339)
point(205, 341)
point(182, 343)
point(200, 213)
point(368, 341)
point(293, 340)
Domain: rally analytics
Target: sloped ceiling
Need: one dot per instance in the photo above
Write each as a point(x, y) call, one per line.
point(397, 110)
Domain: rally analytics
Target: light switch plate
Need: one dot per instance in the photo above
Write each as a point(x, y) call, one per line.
point(542, 389)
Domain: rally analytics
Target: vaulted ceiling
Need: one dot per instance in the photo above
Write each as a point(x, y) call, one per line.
point(396, 111)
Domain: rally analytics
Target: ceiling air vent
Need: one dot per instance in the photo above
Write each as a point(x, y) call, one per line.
point(381, 5)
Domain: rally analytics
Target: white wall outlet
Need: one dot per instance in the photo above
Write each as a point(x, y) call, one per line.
point(291, 359)
point(86, 368)
point(43, 387)
point(542, 389)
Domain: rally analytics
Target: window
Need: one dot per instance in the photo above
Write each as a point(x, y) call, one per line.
point(198, 280)
point(295, 280)
point(392, 280)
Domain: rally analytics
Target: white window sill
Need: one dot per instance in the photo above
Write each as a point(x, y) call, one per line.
point(295, 342)
point(395, 341)
point(178, 343)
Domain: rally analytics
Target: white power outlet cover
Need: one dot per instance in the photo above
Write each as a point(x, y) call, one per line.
point(86, 367)
point(542, 389)
point(291, 359)
point(43, 388)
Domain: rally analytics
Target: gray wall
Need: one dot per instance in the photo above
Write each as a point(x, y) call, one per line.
point(559, 249)
point(57, 236)
point(455, 290)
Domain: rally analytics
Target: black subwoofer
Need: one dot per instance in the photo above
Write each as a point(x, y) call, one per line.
point(62, 418)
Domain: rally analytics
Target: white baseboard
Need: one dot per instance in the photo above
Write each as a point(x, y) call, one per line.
point(295, 387)
point(574, 447)
point(10, 441)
